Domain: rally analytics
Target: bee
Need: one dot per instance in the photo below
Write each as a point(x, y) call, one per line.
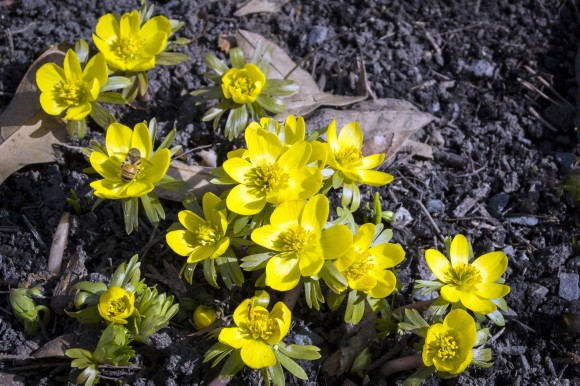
point(131, 166)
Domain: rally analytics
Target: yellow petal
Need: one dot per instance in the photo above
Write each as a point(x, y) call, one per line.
point(232, 336)
point(220, 247)
point(215, 217)
point(373, 177)
point(109, 189)
point(451, 293)
point(459, 320)
point(350, 135)
point(296, 156)
point(245, 200)
point(438, 264)
point(200, 253)
point(387, 255)
point(372, 161)
point(72, 67)
point(118, 140)
point(282, 273)
point(241, 313)
point(315, 214)
point(331, 138)
point(385, 285)
point(363, 284)
point(154, 43)
point(294, 130)
point(282, 314)
point(157, 167)
point(138, 188)
point(141, 64)
point(107, 28)
point(269, 236)
point(49, 76)
point(492, 290)
point(50, 105)
point(130, 24)
point(105, 166)
point(346, 260)
point(364, 237)
point(491, 266)
point(141, 140)
point(459, 251)
point(264, 147)
point(477, 304)
point(257, 354)
point(287, 214)
point(335, 241)
point(97, 69)
point(310, 263)
point(181, 241)
point(78, 113)
point(237, 168)
point(190, 220)
point(462, 362)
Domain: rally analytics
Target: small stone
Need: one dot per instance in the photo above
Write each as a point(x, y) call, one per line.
point(539, 291)
point(317, 35)
point(308, 337)
point(497, 203)
point(528, 221)
point(509, 251)
point(482, 69)
point(435, 206)
point(569, 286)
point(524, 365)
point(402, 218)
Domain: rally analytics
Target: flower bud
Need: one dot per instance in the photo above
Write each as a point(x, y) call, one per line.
point(204, 316)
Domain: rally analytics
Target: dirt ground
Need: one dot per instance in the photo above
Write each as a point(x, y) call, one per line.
point(501, 153)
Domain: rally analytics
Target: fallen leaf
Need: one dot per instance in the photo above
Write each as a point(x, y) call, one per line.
point(27, 133)
point(197, 178)
point(257, 6)
point(225, 43)
point(309, 96)
point(387, 124)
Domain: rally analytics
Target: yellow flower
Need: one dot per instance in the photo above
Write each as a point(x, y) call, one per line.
point(345, 156)
point(130, 168)
point(257, 329)
point(448, 345)
point(204, 316)
point(243, 85)
point(116, 305)
point(365, 268)
point(472, 284)
point(296, 231)
point(128, 45)
point(71, 88)
point(201, 239)
point(270, 174)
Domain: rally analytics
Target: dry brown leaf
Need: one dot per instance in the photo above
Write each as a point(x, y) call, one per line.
point(387, 124)
point(27, 133)
point(197, 178)
point(309, 96)
point(257, 6)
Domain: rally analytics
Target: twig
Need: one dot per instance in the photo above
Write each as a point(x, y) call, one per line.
point(401, 364)
point(539, 118)
point(496, 336)
point(548, 85)
point(419, 306)
point(435, 226)
point(59, 243)
point(34, 232)
point(531, 87)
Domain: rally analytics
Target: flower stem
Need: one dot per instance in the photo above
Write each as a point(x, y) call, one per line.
point(291, 297)
point(400, 364)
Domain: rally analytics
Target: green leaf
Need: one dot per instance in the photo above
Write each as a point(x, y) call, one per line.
point(500, 303)
point(355, 307)
point(419, 376)
point(215, 64)
point(237, 57)
point(112, 97)
point(413, 317)
point(143, 83)
point(482, 336)
point(237, 121)
point(79, 353)
point(170, 58)
point(102, 116)
point(229, 269)
point(334, 300)
point(153, 208)
point(89, 286)
point(276, 373)
point(216, 111)
point(332, 277)
point(82, 50)
point(482, 354)
point(256, 261)
point(232, 365)
point(303, 352)
point(313, 293)
point(279, 87)
point(187, 272)
point(209, 272)
point(116, 82)
point(216, 350)
point(271, 104)
point(131, 214)
point(89, 315)
point(214, 92)
point(383, 237)
point(497, 318)
point(262, 57)
point(290, 365)
point(437, 308)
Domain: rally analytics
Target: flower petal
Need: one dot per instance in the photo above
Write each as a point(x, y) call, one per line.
point(220, 247)
point(335, 241)
point(315, 214)
point(283, 316)
point(181, 241)
point(209, 203)
point(97, 69)
point(118, 140)
point(491, 266)
point(107, 28)
point(105, 166)
point(287, 214)
point(269, 236)
point(296, 156)
point(364, 237)
point(492, 290)
point(238, 168)
point(373, 177)
point(72, 67)
point(245, 200)
point(460, 321)
point(386, 282)
point(310, 263)
point(387, 255)
point(257, 354)
point(451, 293)
point(79, 112)
point(200, 253)
point(372, 161)
point(282, 272)
point(50, 104)
point(438, 264)
point(459, 251)
point(264, 147)
point(477, 304)
point(156, 167)
point(331, 138)
point(141, 139)
point(190, 220)
point(138, 188)
point(232, 336)
point(241, 313)
point(49, 76)
point(109, 189)
point(350, 135)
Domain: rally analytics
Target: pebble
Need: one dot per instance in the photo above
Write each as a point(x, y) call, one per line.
point(317, 35)
point(509, 251)
point(435, 206)
point(497, 203)
point(566, 160)
point(524, 365)
point(402, 218)
point(524, 220)
point(482, 69)
point(569, 286)
point(539, 291)
point(308, 337)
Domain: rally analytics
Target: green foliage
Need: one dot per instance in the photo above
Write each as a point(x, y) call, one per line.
point(27, 311)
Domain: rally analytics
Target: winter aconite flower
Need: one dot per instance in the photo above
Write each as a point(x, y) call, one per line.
point(201, 239)
point(116, 305)
point(448, 345)
point(473, 284)
point(296, 232)
point(128, 45)
point(257, 330)
point(244, 89)
point(129, 167)
point(204, 316)
point(365, 267)
point(346, 159)
point(270, 174)
point(71, 88)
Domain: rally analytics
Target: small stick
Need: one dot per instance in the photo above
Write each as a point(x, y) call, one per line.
point(541, 119)
point(419, 306)
point(34, 232)
point(59, 243)
point(531, 87)
point(400, 364)
point(426, 212)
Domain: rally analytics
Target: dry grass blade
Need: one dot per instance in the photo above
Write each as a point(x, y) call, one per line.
point(257, 6)
point(27, 133)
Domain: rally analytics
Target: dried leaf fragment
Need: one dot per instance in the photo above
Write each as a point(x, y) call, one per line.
point(257, 6)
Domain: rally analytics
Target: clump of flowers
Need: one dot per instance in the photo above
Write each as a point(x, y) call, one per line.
point(135, 42)
point(256, 341)
point(131, 169)
point(244, 89)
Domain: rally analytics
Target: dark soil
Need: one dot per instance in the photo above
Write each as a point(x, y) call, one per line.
point(496, 177)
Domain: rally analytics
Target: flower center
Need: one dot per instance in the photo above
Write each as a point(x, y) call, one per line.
point(349, 156)
point(360, 267)
point(72, 93)
point(261, 326)
point(117, 306)
point(207, 235)
point(447, 347)
point(466, 276)
point(298, 240)
point(127, 48)
point(268, 179)
point(244, 85)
